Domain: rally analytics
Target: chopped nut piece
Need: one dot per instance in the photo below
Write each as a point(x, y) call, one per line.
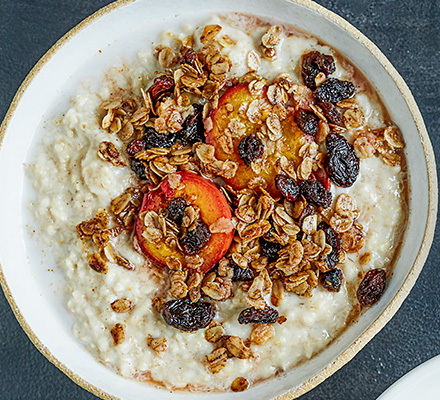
point(122, 305)
point(118, 333)
point(159, 345)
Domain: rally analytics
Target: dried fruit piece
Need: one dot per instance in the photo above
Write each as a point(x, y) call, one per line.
point(270, 250)
point(188, 316)
point(307, 121)
point(196, 239)
point(312, 64)
point(135, 146)
point(250, 148)
point(333, 90)
point(332, 280)
point(332, 113)
point(176, 209)
point(287, 186)
point(161, 85)
point(268, 315)
point(241, 274)
point(372, 287)
point(153, 138)
point(239, 384)
point(193, 129)
point(334, 240)
point(138, 168)
point(315, 193)
point(342, 164)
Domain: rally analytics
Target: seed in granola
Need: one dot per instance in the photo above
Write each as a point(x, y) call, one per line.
point(153, 138)
point(268, 315)
point(334, 90)
point(250, 148)
point(195, 240)
point(188, 316)
point(332, 280)
point(307, 121)
point(270, 250)
point(342, 165)
point(334, 240)
point(176, 209)
point(312, 64)
point(332, 113)
point(315, 193)
point(193, 129)
point(287, 186)
point(135, 146)
point(138, 168)
point(239, 384)
point(161, 86)
point(372, 287)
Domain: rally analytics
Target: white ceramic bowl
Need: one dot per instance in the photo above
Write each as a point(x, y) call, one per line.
point(120, 30)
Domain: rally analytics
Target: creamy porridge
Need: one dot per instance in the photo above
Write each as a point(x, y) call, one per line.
point(272, 255)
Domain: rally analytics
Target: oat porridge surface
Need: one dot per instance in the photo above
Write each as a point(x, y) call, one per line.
point(117, 294)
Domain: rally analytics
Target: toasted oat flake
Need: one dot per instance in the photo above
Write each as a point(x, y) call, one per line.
point(108, 152)
point(239, 384)
point(158, 345)
point(122, 305)
point(210, 32)
point(217, 360)
point(253, 61)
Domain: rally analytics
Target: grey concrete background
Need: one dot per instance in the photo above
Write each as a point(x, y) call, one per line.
point(408, 32)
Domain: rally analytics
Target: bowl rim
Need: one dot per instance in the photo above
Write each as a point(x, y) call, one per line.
point(401, 294)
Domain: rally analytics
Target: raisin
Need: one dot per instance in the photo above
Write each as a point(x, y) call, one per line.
point(256, 316)
point(193, 129)
point(342, 164)
point(306, 212)
point(250, 148)
point(156, 139)
point(135, 146)
point(333, 90)
point(307, 122)
point(270, 250)
point(138, 168)
point(176, 209)
point(188, 316)
point(287, 186)
point(312, 64)
point(332, 280)
point(161, 86)
point(332, 113)
point(372, 287)
point(241, 274)
point(189, 56)
point(334, 240)
point(316, 193)
point(195, 240)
